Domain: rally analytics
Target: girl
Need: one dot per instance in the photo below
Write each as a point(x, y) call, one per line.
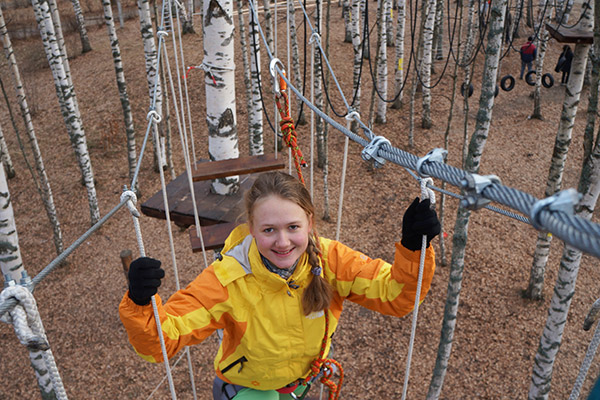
point(276, 292)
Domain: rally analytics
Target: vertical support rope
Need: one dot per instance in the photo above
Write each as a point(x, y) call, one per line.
point(426, 193)
point(138, 234)
point(343, 182)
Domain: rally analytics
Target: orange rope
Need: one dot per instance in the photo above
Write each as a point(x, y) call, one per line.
point(289, 130)
point(319, 363)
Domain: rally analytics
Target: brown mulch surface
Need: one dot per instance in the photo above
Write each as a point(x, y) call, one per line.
point(497, 332)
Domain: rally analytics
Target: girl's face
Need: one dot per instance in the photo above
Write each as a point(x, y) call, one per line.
point(280, 228)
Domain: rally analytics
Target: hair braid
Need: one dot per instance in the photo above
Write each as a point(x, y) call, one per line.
point(319, 292)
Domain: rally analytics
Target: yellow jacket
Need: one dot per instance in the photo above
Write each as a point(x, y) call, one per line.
point(268, 342)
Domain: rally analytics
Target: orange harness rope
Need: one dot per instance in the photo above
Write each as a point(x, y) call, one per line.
point(288, 129)
point(327, 365)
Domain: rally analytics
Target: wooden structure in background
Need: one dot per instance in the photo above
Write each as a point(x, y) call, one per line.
point(570, 34)
point(218, 214)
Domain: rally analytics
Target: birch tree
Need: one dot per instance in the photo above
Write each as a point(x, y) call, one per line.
point(255, 113)
point(85, 40)
point(459, 240)
point(357, 47)
point(542, 45)
point(318, 89)
point(472, 25)
point(382, 70)
point(9, 169)
point(268, 23)
point(564, 288)
point(152, 76)
point(559, 155)
point(438, 32)
point(220, 87)
point(44, 183)
point(399, 71)
point(122, 87)
point(346, 11)
point(298, 79)
point(426, 63)
point(70, 111)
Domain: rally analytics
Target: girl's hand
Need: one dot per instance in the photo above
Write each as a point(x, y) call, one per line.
point(419, 219)
point(144, 279)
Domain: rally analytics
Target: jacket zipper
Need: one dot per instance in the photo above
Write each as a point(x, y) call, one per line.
point(241, 360)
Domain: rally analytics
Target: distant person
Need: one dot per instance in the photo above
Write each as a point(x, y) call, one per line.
point(528, 53)
point(564, 64)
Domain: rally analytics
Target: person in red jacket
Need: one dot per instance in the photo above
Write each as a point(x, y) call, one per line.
point(276, 293)
point(528, 53)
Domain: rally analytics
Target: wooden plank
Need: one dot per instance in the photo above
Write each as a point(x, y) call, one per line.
point(214, 236)
point(236, 166)
point(570, 34)
point(212, 208)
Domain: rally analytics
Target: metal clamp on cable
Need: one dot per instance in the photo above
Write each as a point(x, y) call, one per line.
point(435, 155)
point(474, 185)
point(562, 201)
point(370, 151)
point(272, 68)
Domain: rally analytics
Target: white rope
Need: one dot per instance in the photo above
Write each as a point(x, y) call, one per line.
point(349, 117)
point(138, 234)
point(426, 193)
point(27, 323)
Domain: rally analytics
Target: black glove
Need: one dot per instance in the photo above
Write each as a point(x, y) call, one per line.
point(144, 279)
point(419, 219)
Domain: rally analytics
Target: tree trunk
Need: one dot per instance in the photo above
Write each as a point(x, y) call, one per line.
point(518, 18)
point(298, 79)
point(122, 87)
point(459, 241)
point(542, 45)
point(268, 26)
point(44, 184)
point(318, 88)
point(382, 70)
point(85, 40)
point(564, 289)
point(472, 25)
point(70, 111)
point(255, 114)
point(9, 169)
point(438, 32)
point(219, 84)
point(426, 62)
point(120, 13)
point(346, 12)
point(246, 72)
point(356, 46)
point(152, 76)
point(399, 83)
point(389, 24)
point(559, 157)
point(187, 25)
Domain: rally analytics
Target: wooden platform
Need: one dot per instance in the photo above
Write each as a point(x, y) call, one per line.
point(570, 35)
point(218, 214)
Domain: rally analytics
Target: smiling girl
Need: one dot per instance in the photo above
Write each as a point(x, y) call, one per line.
point(277, 293)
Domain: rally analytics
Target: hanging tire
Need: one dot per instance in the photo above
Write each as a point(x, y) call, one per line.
point(462, 89)
point(530, 78)
point(547, 80)
point(507, 83)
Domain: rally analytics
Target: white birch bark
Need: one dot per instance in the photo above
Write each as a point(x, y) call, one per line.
point(221, 111)
point(70, 111)
point(426, 64)
point(346, 11)
point(255, 113)
point(120, 14)
point(542, 45)
point(399, 71)
point(318, 89)
point(122, 87)
point(5, 157)
point(459, 241)
point(382, 70)
point(438, 33)
point(559, 156)
point(298, 79)
point(564, 288)
point(356, 46)
point(85, 40)
point(45, 189)
point(389, 24)
point(187, 24)
point(472, 24)
point(268, 25)
point(153, 78)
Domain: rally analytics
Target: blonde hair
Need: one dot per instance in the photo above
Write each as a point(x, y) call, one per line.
point(319, 292)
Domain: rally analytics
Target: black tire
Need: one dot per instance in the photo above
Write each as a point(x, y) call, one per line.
point(507, 83)
point(547, 80)
point(462, 89)
point(496, 91)
point(530, 78)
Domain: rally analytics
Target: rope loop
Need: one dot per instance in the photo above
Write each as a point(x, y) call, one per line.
point(154, 115)
point(352, 115)
point(162, 33)
point(131, 198)
point(426, 192)
point(315, 37)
